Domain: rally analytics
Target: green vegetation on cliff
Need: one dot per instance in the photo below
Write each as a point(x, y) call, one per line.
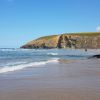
point(83, 33)
point(47, 37)
point(67, 40)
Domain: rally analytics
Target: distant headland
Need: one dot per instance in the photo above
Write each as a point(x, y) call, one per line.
point(87, 40)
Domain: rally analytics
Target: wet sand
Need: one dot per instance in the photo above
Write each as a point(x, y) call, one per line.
point(66, 80)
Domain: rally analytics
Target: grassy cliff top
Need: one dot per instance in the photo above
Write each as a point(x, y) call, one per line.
point(83, 33)
point(47, 37)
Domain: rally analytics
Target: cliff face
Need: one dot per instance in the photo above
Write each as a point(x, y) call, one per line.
point(79, 40)
point(43, 42)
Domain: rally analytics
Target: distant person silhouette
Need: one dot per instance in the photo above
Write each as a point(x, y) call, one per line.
point(85, 50)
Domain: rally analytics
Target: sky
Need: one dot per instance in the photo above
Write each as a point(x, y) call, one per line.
point(25, 20)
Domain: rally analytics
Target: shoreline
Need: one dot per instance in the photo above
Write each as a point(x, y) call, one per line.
point(78, 80)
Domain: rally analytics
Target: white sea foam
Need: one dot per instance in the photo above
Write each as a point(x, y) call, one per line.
point(15, 63)
point(13, 49)
point(8, 49)
point(53, 54)
point(22, 66)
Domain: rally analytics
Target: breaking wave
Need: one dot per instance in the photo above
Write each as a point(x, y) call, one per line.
point(27, 65)
point(53, 54)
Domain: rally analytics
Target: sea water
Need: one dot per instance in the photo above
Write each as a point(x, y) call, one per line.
point(12, 59)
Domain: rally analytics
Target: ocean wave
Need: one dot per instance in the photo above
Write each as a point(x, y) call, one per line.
point(15, 49)
point(15, 63)
point(8, 49)
point(67, 55)
point(22, 66)
point(20, 49)
point(53, 54)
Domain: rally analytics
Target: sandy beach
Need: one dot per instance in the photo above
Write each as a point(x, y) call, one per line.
point(66, 80)
point(49, 50)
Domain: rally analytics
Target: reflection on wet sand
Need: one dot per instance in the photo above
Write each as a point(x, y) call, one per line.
point(66, 80)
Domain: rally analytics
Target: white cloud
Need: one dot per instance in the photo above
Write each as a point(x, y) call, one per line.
point(98, 29)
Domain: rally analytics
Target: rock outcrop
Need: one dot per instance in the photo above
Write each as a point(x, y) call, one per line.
point(75, 40)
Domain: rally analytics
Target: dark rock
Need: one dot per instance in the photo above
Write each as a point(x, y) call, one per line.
point(96, 56)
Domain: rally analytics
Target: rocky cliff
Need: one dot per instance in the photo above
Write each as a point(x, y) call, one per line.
point(71, 40)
